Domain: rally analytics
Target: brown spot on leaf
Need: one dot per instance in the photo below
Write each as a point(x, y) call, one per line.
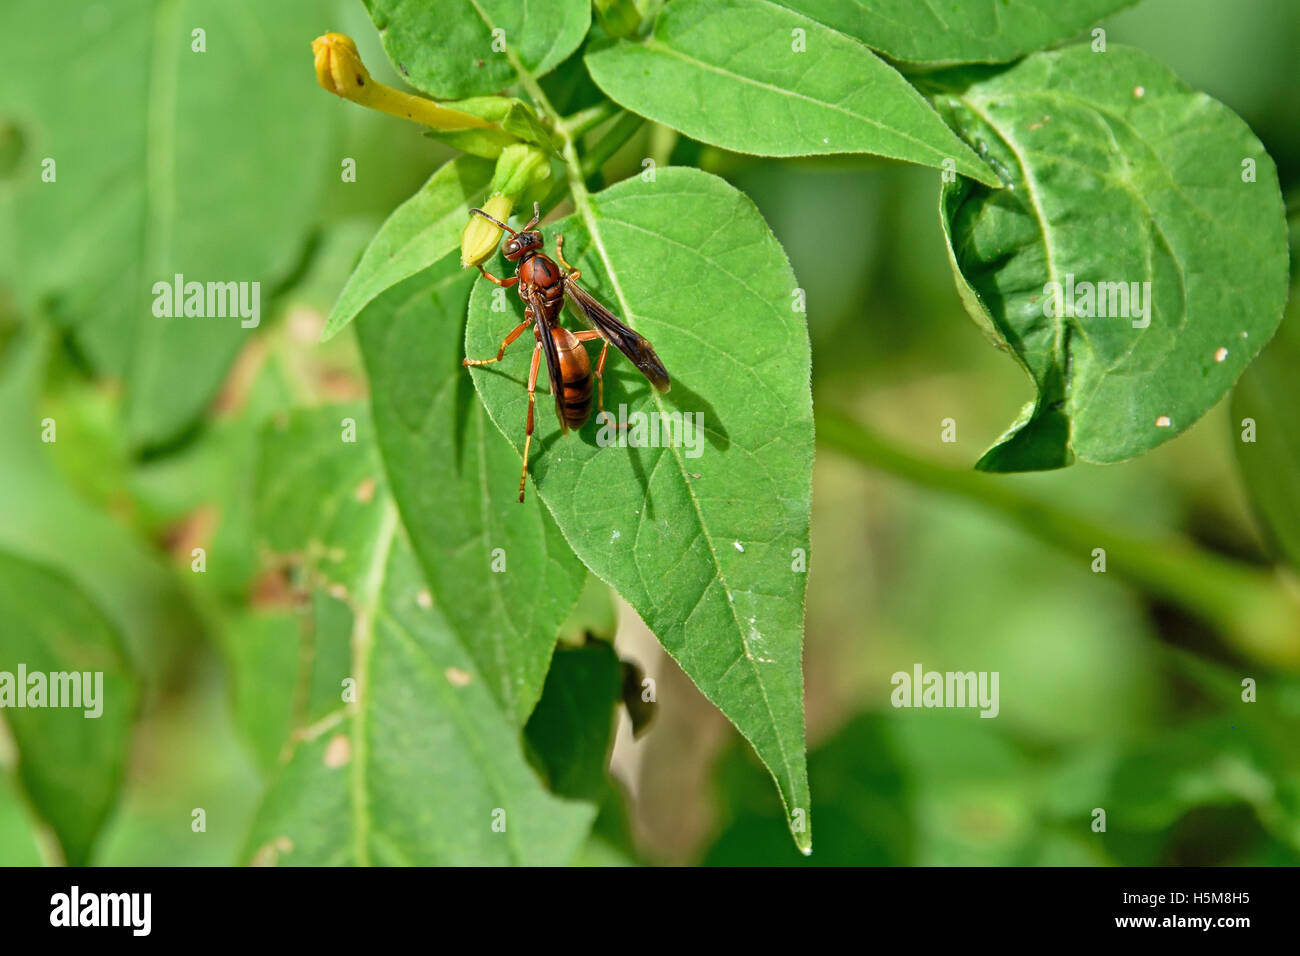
point(338, 751)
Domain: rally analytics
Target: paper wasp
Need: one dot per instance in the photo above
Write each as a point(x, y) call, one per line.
point(544, 289)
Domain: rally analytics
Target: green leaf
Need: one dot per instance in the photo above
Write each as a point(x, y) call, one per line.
point(19, 844)
point(1117, 174)
point(71, 758)
point(572, 729)
point(594, 616)
point(864, 805)
point(724, 72)
point(447, 48)
point(501, 571)
point(203, 164)
point(43, 519)
point(263, 656)
point(1268, 395)
point(422, 765)
point(419, 232)
point(958, 31)
point(701, 539)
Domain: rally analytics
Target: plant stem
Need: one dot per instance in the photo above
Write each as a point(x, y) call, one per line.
point(1254, 610)
point(615, 138)
point(584, 121)
point(569, 152)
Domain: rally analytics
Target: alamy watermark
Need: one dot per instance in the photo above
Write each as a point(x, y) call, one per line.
point(208, 300)
point(946, 689)
point(652, 430)
point(75, 689)
point(1086, 300)
point(132, 911)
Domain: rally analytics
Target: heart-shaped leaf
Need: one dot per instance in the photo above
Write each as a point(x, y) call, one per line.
point(705, 533)
point(750, 76)
point(1136, 261)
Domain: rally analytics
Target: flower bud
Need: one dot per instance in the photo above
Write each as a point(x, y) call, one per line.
point(338, 65)
point(520, 167)
point(480, 238)
point(339, 69)
point(619, 17)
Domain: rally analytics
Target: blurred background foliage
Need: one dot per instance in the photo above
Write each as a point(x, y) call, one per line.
point(1110, 698)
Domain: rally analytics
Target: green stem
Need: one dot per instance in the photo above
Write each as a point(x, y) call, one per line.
point(1254, 610)
point(577, 183)
point(584, 121)
point(615, 138)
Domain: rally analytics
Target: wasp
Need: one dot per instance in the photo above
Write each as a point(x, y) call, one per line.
point(544, 287)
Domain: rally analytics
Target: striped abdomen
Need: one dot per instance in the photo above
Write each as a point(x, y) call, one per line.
point(574, 405)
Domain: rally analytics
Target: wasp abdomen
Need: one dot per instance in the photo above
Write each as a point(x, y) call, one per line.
point(575, 375)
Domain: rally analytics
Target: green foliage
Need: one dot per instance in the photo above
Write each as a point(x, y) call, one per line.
point(572, 729)
point(726, 72)
point(1264, 405)
point(467, 58)
point(420, 231)
point(323, 616)
point(71, 758)
point(360, 786)
point(500, 571)
point(146, 184)
point(45, 520)
point(976, 31)
point(702, 543)
point(1113, 177)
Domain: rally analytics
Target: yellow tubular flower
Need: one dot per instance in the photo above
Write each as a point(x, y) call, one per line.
point(480, 238)
point(339, 69)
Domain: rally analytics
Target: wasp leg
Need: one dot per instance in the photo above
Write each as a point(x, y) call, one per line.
point(519, 329)
point(569, 271)
point(504, 283)
point(528, 432)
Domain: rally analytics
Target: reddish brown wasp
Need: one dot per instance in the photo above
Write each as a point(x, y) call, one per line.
point(544, 289)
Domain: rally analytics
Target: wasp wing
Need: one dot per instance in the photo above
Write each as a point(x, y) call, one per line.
point(636, 348)
point(535, 302)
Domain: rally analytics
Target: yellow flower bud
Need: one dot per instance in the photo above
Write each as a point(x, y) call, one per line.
point(480, 238)
point(338, 65)
point(339, 69)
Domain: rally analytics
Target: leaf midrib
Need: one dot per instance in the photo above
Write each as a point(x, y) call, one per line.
point(676, 54)
point(363, 639)
point(160, 177)
point(583, 205)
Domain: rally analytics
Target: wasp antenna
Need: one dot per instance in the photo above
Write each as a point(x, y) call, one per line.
point(537, 215)
point(494, 220)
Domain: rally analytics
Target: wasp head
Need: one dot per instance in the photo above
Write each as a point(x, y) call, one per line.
point(520, 244)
